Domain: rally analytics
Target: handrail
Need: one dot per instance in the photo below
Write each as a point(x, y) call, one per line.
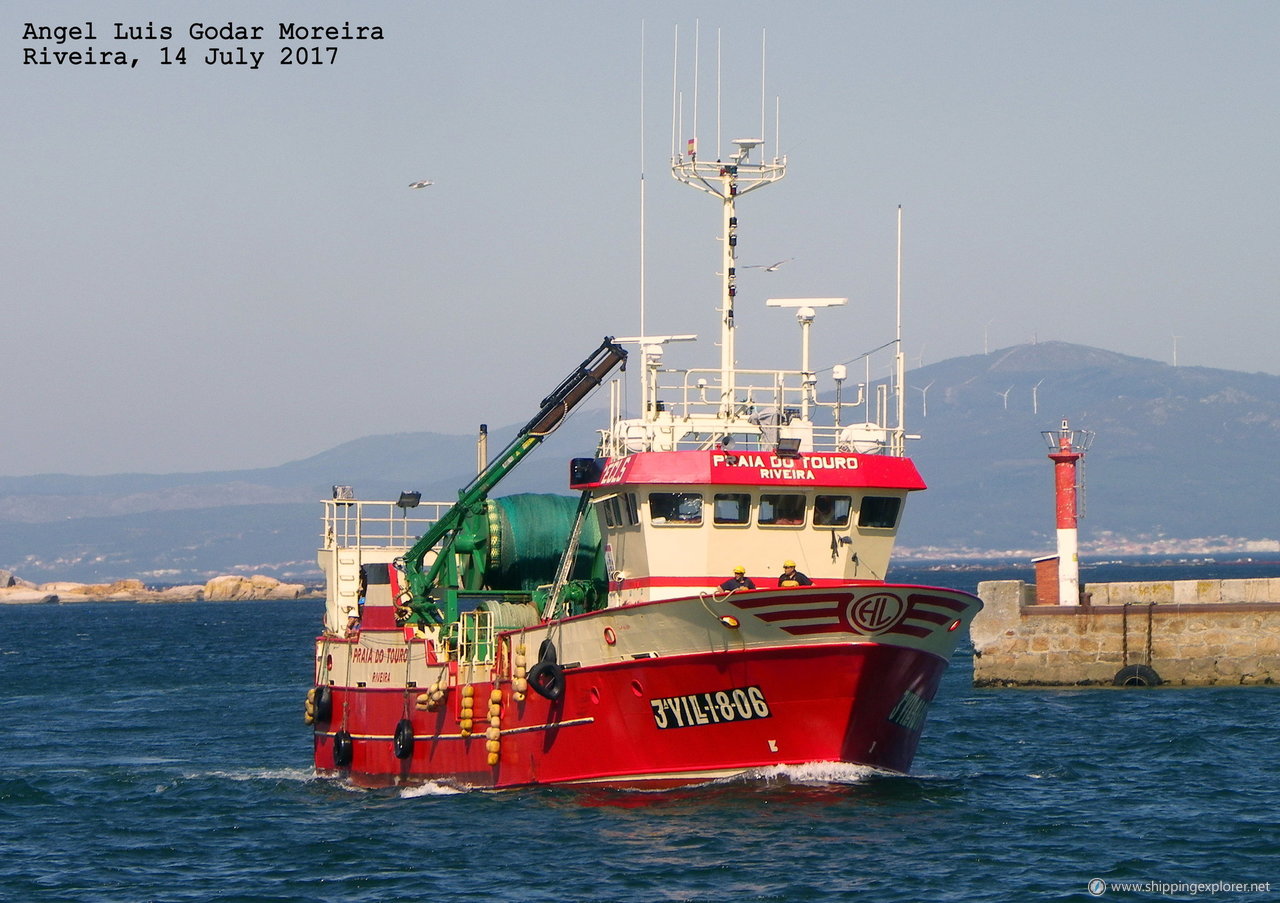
point(376, 524)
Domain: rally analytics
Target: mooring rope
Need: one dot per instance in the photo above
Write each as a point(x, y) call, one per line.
point(1124, 632)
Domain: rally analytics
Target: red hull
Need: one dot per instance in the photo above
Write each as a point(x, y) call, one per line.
point(655, 722)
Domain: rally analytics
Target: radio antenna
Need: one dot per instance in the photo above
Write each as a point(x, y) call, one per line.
point(642, 199)
point(899, 359)
point(675, 87)
point(719, 145)
point(762, 131)
point(697, 34)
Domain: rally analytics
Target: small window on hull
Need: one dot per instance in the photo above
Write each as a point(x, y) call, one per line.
point(732, 508)
point(832, 510)
point(675, 507)
point(879, 511)
point(781, 510)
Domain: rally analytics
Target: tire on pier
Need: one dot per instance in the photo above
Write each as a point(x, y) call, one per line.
point(1136, 676)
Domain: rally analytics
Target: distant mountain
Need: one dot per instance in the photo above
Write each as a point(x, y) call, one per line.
point(1180, 453)
point(188, 526)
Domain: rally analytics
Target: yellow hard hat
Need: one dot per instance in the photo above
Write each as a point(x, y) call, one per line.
point(788, 563)
point(739, 570)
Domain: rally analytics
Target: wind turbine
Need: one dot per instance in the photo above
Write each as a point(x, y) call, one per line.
point(924, 398)
point(1005, 396)
point(1035, 401)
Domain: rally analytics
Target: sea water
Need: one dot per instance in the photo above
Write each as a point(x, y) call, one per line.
point(158, 753)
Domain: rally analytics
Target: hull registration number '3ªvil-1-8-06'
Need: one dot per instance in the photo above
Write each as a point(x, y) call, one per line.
point(717, 707)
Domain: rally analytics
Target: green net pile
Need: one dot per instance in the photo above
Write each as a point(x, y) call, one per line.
point(527, 535)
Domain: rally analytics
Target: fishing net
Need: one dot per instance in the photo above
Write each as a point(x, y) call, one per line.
point(527, 535)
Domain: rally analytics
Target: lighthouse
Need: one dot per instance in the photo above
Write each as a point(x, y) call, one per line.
point(1066, 449)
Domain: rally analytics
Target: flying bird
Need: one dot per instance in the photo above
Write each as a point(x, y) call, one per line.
point(423, 184)
point(771, 268)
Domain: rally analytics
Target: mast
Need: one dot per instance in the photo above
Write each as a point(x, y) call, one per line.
point(899, 361)
point(728, 181)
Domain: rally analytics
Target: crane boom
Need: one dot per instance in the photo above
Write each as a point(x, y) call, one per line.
point(555, 407)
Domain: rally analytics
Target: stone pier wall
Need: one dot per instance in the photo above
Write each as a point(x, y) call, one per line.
point(1179, 633)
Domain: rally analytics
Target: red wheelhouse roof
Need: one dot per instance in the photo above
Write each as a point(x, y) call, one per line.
point(752, 468)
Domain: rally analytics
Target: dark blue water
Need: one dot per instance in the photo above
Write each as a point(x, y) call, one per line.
point(157, 752)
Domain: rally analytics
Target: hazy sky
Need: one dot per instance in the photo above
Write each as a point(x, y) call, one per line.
point(214, 267)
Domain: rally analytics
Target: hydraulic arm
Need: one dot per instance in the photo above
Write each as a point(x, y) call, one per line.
point(443, 533)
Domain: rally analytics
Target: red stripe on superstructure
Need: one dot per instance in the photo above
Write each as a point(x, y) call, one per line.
point(762, 583)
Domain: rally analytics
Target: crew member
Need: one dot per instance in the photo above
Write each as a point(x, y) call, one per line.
point(353, 622)
point(792, 577)
point(739, 580)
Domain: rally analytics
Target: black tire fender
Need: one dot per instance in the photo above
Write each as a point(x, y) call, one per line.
point(547, 679)
point(324, 702)
point(402, 743)
point(343, 749)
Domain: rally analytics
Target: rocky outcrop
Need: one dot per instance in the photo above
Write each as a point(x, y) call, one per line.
point(19, 595)
point(10, 580)
point(193, 592)
point(16, 591)
point(120, 591)
point(232, 588)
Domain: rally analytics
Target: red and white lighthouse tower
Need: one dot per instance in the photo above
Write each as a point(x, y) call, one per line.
point(1066, 448)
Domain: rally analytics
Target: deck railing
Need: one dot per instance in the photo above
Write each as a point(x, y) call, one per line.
point(377, 524)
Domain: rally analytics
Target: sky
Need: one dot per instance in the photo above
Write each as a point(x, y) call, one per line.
point(212, 267)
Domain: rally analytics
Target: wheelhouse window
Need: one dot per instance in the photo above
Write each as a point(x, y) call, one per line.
point(675, 508)
point(832, 510)
point(631, 508)
point(731, 508)
point(619, 511)
point(781, 510)
point(879, 511)
point(611, 510)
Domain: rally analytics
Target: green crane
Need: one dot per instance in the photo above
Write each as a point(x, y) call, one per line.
point(433, 593)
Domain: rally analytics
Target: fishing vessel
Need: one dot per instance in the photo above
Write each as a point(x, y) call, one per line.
point(712, 602)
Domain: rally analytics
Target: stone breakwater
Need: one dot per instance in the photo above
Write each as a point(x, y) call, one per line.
point(1172, 633)
point(15, 591)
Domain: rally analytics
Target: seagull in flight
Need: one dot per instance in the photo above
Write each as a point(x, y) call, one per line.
point(423, 184)
point(771, 268)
